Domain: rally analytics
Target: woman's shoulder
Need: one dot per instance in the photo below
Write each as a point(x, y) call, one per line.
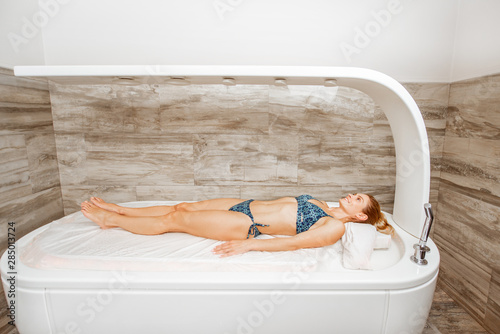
point(336, 224)
point(329, 230)
point(330, 222)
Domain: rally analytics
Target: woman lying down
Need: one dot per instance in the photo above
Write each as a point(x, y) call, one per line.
point(310, 222)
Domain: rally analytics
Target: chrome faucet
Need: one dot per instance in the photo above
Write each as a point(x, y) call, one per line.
point(421, 249)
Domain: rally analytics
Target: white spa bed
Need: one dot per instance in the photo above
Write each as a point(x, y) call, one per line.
point(74, 242)
point(308, 291)
point(74, 277)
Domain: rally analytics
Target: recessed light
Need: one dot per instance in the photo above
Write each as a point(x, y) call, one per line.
point(330, 83)
point(280, 82)
point(228, 81)
point(177, 81)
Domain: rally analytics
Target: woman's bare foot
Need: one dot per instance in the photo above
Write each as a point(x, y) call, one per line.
point(106, 206)
point(99, 216)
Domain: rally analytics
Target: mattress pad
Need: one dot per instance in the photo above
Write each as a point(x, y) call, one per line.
point(74, 242)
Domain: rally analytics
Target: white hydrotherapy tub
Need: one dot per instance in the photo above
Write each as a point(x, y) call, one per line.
point(118, 289)
point(286, 297)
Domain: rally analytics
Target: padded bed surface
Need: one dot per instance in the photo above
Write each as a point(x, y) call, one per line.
point(74, 242)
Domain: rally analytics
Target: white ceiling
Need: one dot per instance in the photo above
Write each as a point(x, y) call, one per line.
point(419, 41)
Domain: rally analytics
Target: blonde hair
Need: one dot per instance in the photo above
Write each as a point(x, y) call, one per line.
point(376, 217)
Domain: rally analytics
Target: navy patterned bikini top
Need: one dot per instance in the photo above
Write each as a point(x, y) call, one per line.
point(308, 213)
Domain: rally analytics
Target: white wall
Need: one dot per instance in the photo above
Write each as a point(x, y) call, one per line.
point(411, 41)
point(20, 33)
point(477, 45)
point(423, 40)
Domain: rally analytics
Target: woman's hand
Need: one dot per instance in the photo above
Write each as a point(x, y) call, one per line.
point(233, 247)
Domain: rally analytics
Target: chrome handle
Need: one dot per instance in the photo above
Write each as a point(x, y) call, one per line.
point(429, 218)
point(421, 249)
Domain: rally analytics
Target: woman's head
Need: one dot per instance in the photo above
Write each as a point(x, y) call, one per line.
point(364, 208)
point(376, 217)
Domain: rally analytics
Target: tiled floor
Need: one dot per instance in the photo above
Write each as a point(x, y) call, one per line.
point(446, 317)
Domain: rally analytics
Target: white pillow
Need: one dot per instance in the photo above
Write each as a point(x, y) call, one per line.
point(359, 240)
point(382, 241)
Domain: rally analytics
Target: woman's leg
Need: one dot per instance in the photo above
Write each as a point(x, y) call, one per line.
point(135, 212)
point(107, 219)
point(153, 211)
point(212, 224)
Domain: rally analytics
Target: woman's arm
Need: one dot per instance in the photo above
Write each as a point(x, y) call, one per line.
point(327, 234)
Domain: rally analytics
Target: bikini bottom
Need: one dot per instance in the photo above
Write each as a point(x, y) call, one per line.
point(244, 207)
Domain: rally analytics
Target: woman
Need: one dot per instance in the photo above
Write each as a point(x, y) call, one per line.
point(311, 222)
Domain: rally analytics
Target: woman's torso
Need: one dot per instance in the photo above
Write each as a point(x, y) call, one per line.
point(281, 215)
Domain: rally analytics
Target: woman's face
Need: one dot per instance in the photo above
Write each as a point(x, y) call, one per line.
point(354, 204)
